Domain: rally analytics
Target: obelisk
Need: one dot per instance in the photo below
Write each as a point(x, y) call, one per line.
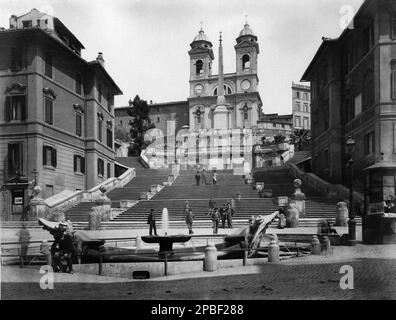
point(221, 111)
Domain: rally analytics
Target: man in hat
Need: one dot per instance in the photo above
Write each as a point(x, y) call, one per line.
point(151, 222)
point(189, 221)
point(230, 213)
point(62, 248)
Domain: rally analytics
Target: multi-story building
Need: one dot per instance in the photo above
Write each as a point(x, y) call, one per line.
point(353, 93)
point(159, 114)
point(56, 112)
point(301, 103)
point(271, 125)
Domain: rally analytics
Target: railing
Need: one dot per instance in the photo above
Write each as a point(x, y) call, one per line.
point(331, 191)
point(70, 200)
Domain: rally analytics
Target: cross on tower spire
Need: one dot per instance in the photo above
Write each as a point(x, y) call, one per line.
point(201, 26)
point(246, 22)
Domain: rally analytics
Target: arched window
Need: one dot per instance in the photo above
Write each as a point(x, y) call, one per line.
point(227, 90)
point(245, 61)
point(199, 67)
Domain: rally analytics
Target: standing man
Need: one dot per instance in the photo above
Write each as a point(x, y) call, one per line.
point(215, 220)
point(203, 177)
point(223, 216)
point(230, 214)
point(189, 221)
point(151, 222)
point(197, 178)
point(23, 238)
point(215, 175)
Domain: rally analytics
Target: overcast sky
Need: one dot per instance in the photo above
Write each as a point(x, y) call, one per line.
point(145, 42)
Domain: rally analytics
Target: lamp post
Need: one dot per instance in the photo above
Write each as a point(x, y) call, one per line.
point(349, 150)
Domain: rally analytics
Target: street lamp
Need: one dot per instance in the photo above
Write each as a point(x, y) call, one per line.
point(349, 150)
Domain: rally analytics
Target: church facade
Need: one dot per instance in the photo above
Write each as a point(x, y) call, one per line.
point(240, 88)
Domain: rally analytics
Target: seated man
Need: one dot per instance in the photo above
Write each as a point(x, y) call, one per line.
point(62, 249)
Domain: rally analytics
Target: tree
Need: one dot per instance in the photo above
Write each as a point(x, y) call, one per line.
point(139, 111)
point(300, 138)
point(121, 134)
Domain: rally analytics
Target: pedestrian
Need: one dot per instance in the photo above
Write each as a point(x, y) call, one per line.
point(215, 175)
point(25, 214)
point(186, 206)
point(203, 177)
point(223, 216)
point(215, 220)
point(189, 221)
point(230, 214)
point(23, 238)
point(233, 202)
point(151, 222)
point(211, 207)
point(197, 178)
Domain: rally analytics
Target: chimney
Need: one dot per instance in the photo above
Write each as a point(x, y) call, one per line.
point(100, 59)
point(13, 21)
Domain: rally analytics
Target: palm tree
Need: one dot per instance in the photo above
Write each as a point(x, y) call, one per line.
point(300, 138)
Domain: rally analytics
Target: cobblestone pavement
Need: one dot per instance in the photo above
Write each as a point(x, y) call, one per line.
point(314, 277)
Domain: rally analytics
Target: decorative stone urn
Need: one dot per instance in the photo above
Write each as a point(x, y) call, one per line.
point(103, 205)
point(37, 205)
point(341, 214)
point(292, 216)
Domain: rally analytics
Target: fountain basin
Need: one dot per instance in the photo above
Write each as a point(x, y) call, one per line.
point(166, 242)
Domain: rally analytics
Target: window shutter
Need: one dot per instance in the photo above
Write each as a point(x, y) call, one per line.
point(75, 163)
point(7, 109)
point(10, 162)
point(53, 158)
point(82, 159)
point(23, 108)
point(44, 155)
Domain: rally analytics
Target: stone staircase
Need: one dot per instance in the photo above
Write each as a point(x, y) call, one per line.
point(143, 181)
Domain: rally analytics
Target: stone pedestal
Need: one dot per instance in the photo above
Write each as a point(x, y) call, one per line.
point(220, 118)
point(103, 207)
point(210, 263)
point(298, 198)
point(38, 208)
point(315, 246)
point(95, 220)
point(273, 250)
point(292, 216)
point(341, 214)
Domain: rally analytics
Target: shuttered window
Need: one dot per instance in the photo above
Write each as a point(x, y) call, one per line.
point(78, 124)
point(15, 159)
point(15, 108)
point(49, 156)
point(49, 111)
point(79, 164)
point(100, 165)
